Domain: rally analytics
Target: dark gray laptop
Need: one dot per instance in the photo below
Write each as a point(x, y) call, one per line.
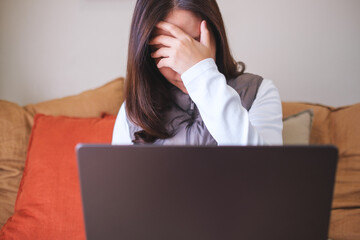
point(152, 192)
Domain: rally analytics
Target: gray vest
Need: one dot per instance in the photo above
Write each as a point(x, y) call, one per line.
point(184, 118)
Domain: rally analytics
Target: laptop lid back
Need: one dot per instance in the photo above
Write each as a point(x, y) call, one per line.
point(153, 192)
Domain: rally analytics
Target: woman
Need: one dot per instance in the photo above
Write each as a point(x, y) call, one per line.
point(184, 87)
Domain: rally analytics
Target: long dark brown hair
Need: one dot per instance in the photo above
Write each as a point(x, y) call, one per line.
point(147, 91)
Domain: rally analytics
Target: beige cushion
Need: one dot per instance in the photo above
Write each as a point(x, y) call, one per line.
point(320, 133)
point(297, 128)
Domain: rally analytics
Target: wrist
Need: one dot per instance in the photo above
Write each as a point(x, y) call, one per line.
point(197, 69)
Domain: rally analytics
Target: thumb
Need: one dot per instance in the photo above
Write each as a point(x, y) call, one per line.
point(204, 34)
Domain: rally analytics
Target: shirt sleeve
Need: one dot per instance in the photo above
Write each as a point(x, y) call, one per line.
point(121, 134)
point(223, 114)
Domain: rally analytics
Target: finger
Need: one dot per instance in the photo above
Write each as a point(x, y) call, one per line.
point(164, 62)
point(204, 34)
point(162, 40)
point(171, 28)
point(162, 52)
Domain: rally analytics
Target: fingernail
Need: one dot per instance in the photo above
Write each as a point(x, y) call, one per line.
point(204, 24)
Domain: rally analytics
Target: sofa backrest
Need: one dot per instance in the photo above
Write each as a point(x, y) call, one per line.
point(338, 126)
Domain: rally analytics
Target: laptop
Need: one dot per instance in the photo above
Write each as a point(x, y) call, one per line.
point(188, 192)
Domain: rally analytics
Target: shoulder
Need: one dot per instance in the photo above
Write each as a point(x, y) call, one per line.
point(121, 116)
point(121, 128)
point(266, 113)
point(267, 88)
point(267, 83)
point(124, 120)
point(267, 98)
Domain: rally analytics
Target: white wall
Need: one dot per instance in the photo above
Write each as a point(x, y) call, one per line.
point(50, 49)
point(55, 48)
point(310, 48)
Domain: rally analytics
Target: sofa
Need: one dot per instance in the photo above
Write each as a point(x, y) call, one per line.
point(22, 128)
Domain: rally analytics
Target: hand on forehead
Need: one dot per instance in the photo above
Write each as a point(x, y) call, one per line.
point(171, 30)
point(158, 31)
point(186, 21)
point(180, 41)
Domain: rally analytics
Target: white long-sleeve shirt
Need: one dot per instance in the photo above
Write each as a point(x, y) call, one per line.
point(220, 107)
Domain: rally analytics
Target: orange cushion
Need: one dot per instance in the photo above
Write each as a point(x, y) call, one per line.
point(48, 204)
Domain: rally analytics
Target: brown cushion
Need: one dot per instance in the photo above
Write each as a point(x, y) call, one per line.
point(91, 103)
point(345, 134)
point(345, 224)
point(339, 126)
point(14, 135)
point(297, 128)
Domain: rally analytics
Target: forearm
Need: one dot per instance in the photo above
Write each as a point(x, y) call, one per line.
point(221, 109)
